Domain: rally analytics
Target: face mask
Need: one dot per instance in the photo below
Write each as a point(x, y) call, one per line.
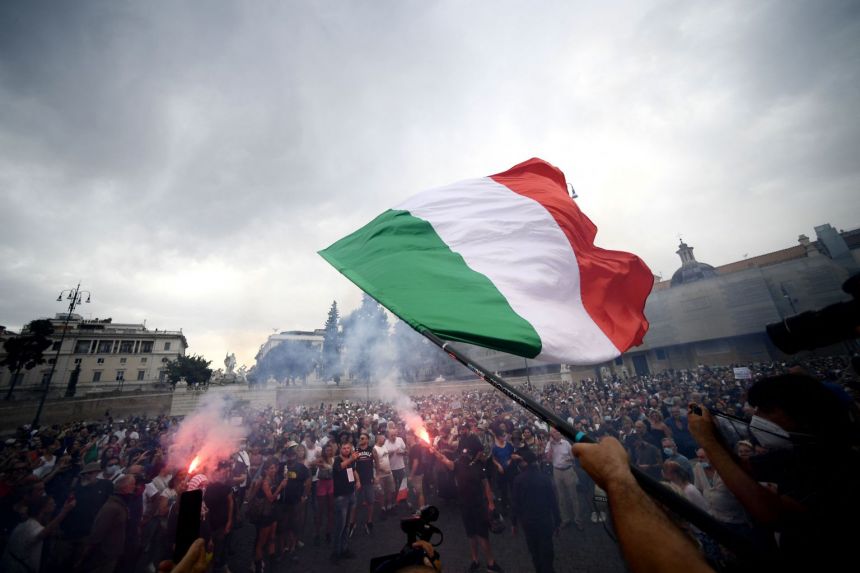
point(668, 451)
point(110, 470)
point(769, 435)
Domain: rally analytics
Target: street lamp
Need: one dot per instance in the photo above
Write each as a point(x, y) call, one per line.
point(75, 297)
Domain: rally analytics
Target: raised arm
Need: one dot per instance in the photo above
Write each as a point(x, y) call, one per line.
point(649, 540)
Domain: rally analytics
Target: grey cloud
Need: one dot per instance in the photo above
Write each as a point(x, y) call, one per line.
point(181, 157)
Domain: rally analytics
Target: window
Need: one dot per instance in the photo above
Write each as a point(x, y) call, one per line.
point(105, 346)
point(126, 347)
point(141, 374)
point(82, 346)
point(120, 375)
point(77, 360)
point(123, 360)
point(661, 354)
point(167, 346)
point(97, 376)
point(101, 360)
point(56, 345)
point(146, 347)
point(162, 376)
point(143, 360)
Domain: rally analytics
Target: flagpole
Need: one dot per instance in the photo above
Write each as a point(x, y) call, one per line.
point(679, 505)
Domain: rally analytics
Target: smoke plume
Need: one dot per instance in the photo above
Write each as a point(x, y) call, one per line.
point(207, 433)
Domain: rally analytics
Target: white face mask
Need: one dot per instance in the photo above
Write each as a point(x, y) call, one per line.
point(770, 435)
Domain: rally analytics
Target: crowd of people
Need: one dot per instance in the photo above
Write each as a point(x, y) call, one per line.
point(104, 496)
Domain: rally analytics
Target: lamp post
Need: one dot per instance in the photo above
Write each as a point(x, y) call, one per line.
point(75, 297)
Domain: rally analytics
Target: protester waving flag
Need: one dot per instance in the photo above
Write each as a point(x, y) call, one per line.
point(507, 262)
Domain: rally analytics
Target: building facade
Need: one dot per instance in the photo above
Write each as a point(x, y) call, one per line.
point(103, 355)
point(705, 315)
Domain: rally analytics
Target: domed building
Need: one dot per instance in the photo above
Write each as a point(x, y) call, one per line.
point(691, 270)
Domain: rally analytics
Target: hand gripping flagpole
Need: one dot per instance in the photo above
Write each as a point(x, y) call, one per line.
point(740, 544)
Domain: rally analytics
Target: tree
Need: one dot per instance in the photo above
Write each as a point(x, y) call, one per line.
point(26, 351)
point(415, 354)
point(290, 360)
point(365, 340)
point(331, 345)
point(195, 369)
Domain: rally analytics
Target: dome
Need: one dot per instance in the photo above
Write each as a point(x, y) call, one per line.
point(691, 270)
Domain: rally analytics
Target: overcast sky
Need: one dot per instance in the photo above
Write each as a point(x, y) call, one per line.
point(186, 160)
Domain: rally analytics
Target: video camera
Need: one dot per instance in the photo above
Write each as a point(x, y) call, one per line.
point(817, 328)
point(417, 527)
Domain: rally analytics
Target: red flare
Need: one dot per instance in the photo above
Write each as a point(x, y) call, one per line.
point(422, 433)
point(194, 463)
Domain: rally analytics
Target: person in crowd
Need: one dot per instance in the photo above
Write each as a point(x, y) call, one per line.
point(475, 497)
point(384, 474)
point(532, 441)
point(679, 479)
point(107, 542)
point(294, 497)
point(644, 455)
point(269, 488)
point(649, 540)
point(417, 467)
point(346, 483)
point(670, 453)
point(396, 455)
point(558, 452)
point(534, 509)
point(364, 465)
point(501, 453)
point(90, 494)
point(322, 468)
point(23, 552)
point(218, 498)
point(686, 444)
point(805, 435)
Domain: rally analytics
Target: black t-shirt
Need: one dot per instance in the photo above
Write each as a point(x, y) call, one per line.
point(88, 501)
point(342, 485)
point(470, 487)
point(297, 474)
point(364, 465)
point(215, 498)
point(418, 452)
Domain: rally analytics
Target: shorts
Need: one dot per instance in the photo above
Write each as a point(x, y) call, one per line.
point(387, 483)
point(476, 520)
point(417, 483)
point(325, 487)
point(366, 495)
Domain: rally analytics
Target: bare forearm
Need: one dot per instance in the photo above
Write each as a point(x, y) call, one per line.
point(649, 541)
point(762, 504)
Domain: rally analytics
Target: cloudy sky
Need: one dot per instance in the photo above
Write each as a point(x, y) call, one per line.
point(186, 160)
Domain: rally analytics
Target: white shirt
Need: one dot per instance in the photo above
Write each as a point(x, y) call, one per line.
point(45, 468)
point(383, 463)
point(311, 454)
point(26, 547)
point(396, 452)
point(562, 457)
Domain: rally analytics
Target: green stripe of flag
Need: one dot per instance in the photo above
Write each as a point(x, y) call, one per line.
point(399, 260)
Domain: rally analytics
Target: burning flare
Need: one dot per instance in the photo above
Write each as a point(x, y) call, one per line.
point(422, 433)
point(194, 463)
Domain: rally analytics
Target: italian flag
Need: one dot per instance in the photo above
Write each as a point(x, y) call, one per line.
point(506, 262)
point(402, 492)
